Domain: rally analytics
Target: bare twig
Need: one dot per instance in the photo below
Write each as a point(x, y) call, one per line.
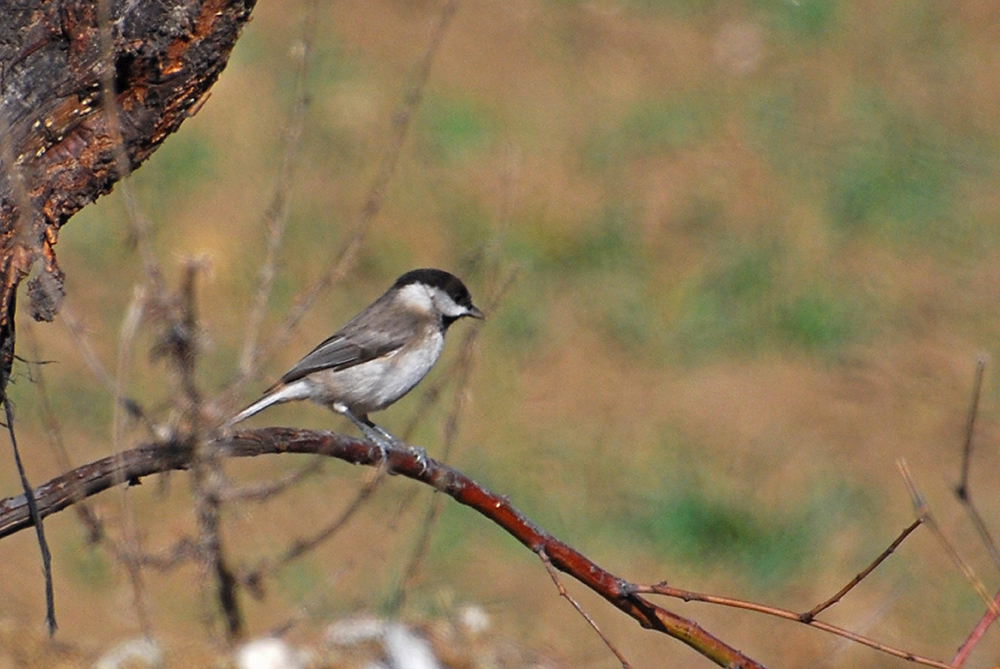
point(160, 457)
point(74, 326)
point(554, 575)
point(977, 633)
point(43, 545)
point(252, 578)
point(923, 512)
point(816, 610)
point(276, 216)
point(53, 431)
point(180, 342)
point(690, 596)
point(126, 342)
point(261, 492)
point(131, 545)
point(963, 490)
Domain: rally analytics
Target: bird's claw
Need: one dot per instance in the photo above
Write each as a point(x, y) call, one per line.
point(421, 456)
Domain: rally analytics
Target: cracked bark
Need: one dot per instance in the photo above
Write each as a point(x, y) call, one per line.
point(63, 142)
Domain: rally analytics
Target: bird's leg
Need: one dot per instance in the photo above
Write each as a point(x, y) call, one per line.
point(419, 453)
point(367, 429)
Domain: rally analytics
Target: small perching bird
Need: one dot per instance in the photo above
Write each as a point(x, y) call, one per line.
point(379, 355)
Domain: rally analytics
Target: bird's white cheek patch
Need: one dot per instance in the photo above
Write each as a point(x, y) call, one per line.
point(415, 297)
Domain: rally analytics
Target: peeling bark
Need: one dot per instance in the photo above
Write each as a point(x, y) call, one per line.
point(83, 102)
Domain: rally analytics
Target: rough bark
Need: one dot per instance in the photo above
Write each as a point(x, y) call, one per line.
point(88, 90)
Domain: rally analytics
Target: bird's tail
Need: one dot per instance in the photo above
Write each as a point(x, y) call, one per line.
point(293, 391)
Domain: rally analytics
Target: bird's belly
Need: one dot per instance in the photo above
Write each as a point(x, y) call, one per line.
point(376, 384)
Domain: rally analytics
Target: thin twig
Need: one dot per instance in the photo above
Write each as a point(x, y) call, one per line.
point(81, 340)
point(53, 431)
point(252, 578)
point(131, 544)
point(970, 425)
point(816, 610)
point(554, 575)
point(43, 545)
point(276, 216)
point(965, 650)
point(127, 332)
point(261, 492)
point(180, 342)
point(691, 596)
point(923, 512)
point(964, 490)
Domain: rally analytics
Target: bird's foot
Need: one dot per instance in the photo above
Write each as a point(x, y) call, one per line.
point(380, 442)
point(421, 457)
point(417, 452)
point(382, 439)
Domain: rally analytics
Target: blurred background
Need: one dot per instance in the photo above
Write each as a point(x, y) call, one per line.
point(756, 252)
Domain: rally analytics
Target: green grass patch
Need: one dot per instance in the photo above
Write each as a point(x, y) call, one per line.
point(651, 127)
point(815, 321)
point(749, 303)
point(707, 531)
point(898, 174)
point(802, 18)
point(518, 326)
point(451, 131)
point(783, 124)
point(710, 530)
point(682, 8)
point(608, 242)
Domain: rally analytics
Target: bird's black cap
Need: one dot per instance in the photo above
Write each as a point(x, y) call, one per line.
point(438, 278)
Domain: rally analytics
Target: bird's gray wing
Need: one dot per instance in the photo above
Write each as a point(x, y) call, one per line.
point(346, 348)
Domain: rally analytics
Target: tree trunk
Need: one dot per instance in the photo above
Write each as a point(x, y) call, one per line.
point(88, 90)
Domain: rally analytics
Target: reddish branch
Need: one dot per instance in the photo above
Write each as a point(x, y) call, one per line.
point(131, 466)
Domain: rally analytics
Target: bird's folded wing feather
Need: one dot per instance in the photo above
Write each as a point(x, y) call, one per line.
point(342, 351)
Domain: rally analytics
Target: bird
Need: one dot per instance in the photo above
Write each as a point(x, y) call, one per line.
point(379, 355)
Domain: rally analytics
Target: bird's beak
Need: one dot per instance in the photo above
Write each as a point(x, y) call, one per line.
point(474, 312)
